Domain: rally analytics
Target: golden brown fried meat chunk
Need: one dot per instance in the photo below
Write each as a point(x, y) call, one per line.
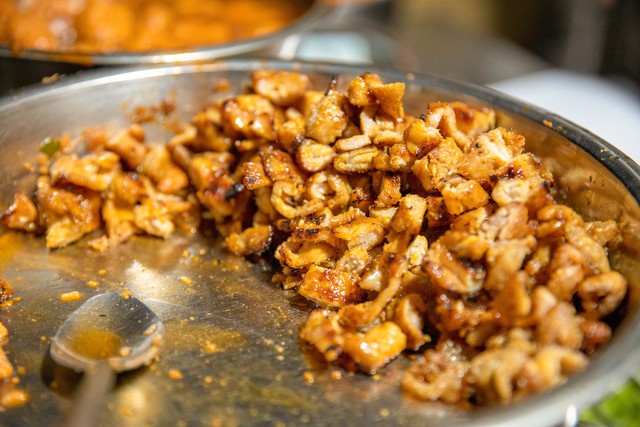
point(330, 288)
point(68, 212)
point(253, 240)
point(129, 144)
point(95, 171)
point(328, 119)
point(22, 214)
point(282, 88)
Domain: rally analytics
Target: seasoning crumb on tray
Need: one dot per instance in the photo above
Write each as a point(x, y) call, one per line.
point(10, 395)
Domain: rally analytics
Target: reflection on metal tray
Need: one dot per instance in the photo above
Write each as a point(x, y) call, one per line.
point(231, 335)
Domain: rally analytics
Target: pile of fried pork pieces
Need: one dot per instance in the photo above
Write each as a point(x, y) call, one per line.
point(434, 236)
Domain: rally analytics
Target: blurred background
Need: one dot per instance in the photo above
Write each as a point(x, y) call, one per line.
point(489, 40)
point(577, 58)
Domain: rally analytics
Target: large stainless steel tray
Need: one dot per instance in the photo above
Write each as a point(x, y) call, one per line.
point(232, 334)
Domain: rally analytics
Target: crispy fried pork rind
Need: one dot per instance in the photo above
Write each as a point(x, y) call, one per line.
point(435, 234)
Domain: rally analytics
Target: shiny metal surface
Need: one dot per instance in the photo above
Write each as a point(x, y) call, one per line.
point(231, 334)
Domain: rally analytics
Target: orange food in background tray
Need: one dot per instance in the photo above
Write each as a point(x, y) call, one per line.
point(139, 25)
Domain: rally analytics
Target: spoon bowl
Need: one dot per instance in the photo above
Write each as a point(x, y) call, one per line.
point(109, 327)
point(109, 333)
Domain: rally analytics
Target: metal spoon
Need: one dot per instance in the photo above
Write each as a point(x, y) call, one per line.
point(109, 333)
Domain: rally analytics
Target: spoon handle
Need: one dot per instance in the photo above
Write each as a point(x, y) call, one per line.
point(94, 386)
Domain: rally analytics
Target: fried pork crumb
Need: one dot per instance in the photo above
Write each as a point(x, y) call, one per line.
point(10, 395)
point(71, 296)
point(308, 377)
point(14, 398)
point(185, 280)
point(175, 374)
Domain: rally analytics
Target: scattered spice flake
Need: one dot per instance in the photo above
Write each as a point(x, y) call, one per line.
point(210, 347)
point(186, 280)
point(143, 115)
point(168, 105)
point(222, 85)
point(157, 340)
point(384, 412)
point(126, 294)
point(93, 283)
point(547, 123)
point(126, 411)
point(102, 272)
point(29, 167)
point(305, 419)
point(50, 79)
point(208, 379)
point(185, 254)
point(7, 304)
point(175, 374)
point(308, 377)
point(125, 351)
point(151, 329)
point(336, 375)
point(148, 114)
point(71, 296)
